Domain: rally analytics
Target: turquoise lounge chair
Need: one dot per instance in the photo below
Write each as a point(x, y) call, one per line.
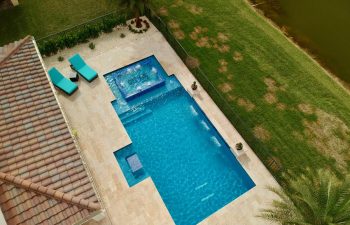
point(79, 65)
point(61, 82)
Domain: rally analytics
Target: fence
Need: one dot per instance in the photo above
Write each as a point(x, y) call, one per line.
point(264, 154)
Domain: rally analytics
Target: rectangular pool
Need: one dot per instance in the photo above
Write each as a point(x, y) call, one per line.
point(192, 167)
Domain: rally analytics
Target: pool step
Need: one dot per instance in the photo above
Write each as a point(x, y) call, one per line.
point(147, 99)
point(135, 115)
point(131, 112)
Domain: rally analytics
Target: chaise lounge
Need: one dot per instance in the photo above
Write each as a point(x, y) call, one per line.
point(61, 82)
point(79, 65)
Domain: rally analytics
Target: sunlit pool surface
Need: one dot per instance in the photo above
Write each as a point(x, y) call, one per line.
point(138, 78)
point(192, 167)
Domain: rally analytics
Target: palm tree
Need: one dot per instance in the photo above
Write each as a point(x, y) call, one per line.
point(137, 7)
point(312, 199)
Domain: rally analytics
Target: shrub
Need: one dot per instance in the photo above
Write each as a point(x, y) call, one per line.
point(70, 40)
point(60, 58)
point(48, 47)
point(60, 43)
point(239, 146)
point(75, 132)
point(122, 35)
point(92, 31)
point(82, 34)
point(108, 24)
point(92, 45)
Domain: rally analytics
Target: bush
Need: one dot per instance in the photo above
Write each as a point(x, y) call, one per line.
point(108, 24)
point(48, 47)
point(82, 34)
point(60, 58)
point(92, 31)
point(239, 146)
point(122, 35)
point(70, 40)
point(92, 45)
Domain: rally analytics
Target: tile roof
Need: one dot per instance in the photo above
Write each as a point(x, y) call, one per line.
point(42, 177)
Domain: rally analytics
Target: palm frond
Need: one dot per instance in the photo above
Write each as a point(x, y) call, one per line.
point(314, 198)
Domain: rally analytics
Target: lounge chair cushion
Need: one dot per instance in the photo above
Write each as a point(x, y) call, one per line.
point(82, 68)
point(61, 82)
point(88, 73)
point(68, 86)
point(76, 61)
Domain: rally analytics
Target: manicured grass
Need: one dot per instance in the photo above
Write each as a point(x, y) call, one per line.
point(40, 18)
point(306, 122)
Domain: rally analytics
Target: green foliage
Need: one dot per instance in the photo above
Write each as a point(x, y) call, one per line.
point(48, 47)
point(92, 45)
point(135, 6)
point(312, 199)
point(93, 31)
point(108, 24)
point(60, 58)
point(80, 34)
point(239, 146)
point(70, 40)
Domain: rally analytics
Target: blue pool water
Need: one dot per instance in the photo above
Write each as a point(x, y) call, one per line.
point(192, 167)
point(138, 77)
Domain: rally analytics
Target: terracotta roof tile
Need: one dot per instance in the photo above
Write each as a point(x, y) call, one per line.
point(42, 177)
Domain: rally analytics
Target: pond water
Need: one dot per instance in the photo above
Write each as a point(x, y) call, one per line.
point(323, 26)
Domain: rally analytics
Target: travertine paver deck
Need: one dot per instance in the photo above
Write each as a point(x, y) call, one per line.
point(100, 133)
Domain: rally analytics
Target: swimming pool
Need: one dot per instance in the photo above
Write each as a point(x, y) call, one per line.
point(192, 167)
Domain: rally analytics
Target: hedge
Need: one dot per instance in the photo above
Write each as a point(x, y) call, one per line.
point(80, 34)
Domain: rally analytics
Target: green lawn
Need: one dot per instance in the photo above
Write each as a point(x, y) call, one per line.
point(293, 112)
point(43, 17)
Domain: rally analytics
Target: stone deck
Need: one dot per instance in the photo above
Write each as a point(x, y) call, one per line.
point(100, 133)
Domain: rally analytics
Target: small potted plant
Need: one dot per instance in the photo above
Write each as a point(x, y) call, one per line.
point(239, 146)
point(92, 46)
point(75, 133)
point(60, 58)
point(194, 86)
